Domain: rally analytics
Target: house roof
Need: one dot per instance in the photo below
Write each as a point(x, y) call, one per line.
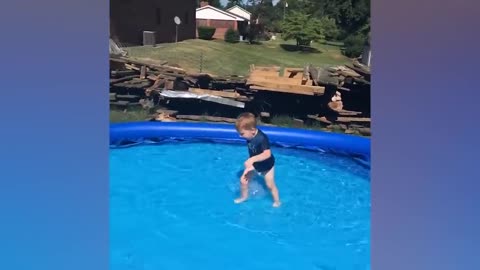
point(213, 13)
point(246, 16)
point(242, 9)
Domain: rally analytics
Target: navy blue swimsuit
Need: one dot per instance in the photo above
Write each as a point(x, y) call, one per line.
point(256, 146)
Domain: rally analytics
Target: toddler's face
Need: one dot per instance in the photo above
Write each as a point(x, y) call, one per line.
point(247, 133)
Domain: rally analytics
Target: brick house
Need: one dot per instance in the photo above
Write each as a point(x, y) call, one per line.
point(129, 18)
point(222, 20)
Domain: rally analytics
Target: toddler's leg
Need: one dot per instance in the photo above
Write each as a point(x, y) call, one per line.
point(270, 181)
point(244, 186)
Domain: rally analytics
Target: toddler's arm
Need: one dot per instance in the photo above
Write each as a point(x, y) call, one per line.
point(267, 153)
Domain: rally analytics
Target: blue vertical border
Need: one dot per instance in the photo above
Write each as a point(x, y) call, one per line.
point(425, 177)
point(54, 135)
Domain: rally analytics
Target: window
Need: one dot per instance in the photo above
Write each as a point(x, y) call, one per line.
point(158, 15)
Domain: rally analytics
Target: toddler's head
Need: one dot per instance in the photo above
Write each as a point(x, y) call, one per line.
point(246, 125)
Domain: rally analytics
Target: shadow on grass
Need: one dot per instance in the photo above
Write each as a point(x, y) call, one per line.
point(294, 48)
point(254, 42)
point(333, 43)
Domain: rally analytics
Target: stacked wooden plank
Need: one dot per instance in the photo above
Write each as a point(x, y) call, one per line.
point(139, 82)
point(341, 76)
point(148, 79)
point(296, 82)
point(342, 80)
point(166, 115)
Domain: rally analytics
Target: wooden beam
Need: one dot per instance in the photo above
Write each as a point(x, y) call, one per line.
point(361, 80)
point(214, 93)
point(169, 84)
point(153, 77)
point(122, 73)
point(137, 85)
point(283, 80)
point(124, 79)
point(206, 118)
point(161, 76)
point(293, 69)
point(305, 75)
point(340, 119)
point(273, 78)
point(297, 122)
point(132, 67)
point(322, 76)
point(365, 131)
point(349, 73)
point(167, 112)
point(143, 72)
point(361, 66)
point(348, 113)
point(319, 90)
point(162, 66)
point(158, 83)
point(120, 103)
point(343, 89)
point(301, 92)
point(359, 70)
point(128, 97)
point(322, 119)
point(353, 119)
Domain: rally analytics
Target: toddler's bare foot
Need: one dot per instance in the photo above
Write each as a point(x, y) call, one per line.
point(240, 200)
point(276, 204)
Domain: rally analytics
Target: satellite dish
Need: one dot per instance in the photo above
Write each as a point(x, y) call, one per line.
point(177, 20)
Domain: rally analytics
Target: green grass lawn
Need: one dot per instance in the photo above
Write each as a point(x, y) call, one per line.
point(221, 58)
point(119, 116)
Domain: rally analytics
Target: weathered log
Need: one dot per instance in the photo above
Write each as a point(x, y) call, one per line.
point(160, 67)
point(136, 85)
point(122, 73)
point(157, 84)
point(128, 97)
point(206, 118)
point(365, 131)
point(321, 76)
point(297, 122)
point(167, 112)
point(123, 79)
point(132, 67)
point(353, 119)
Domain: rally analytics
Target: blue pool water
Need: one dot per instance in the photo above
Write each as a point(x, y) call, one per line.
point(171, 207)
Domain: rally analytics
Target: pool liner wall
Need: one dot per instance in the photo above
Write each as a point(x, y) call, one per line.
point(129, 134)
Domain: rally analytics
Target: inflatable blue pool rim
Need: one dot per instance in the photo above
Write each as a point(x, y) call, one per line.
point(127, 134)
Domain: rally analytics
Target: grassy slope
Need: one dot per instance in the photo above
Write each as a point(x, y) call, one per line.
point(221, 58)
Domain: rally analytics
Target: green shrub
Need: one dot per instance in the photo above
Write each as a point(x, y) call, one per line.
point(232, 36)
point(354, 45)
point(330, 28)
point(206, 32)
